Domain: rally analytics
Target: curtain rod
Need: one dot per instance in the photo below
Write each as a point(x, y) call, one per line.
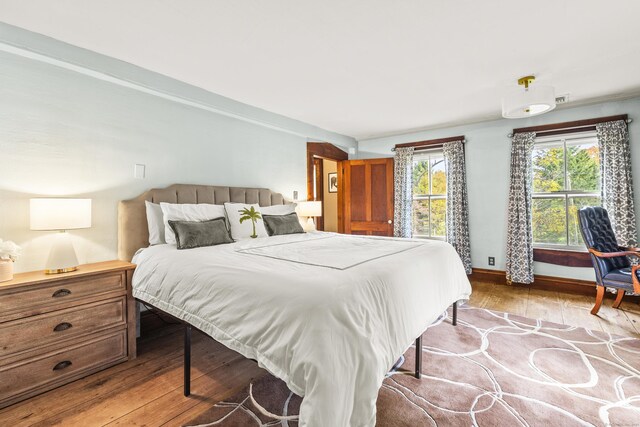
point(588, 125)
point(426, 148)
point(433, 143)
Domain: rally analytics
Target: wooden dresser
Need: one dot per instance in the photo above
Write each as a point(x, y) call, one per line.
point(57, 328)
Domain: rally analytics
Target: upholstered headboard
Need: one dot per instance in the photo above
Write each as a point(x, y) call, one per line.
point(133, 233)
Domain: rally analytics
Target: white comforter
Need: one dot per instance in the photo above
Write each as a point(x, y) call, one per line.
point(329, 314)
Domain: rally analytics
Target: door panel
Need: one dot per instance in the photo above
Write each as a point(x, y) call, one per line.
point(368, 196)
point(379, 207)
point(357, 198)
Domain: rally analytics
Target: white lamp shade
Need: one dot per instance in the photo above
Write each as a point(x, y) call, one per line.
point(309, 209)
point(60, 214)
point(519, 102)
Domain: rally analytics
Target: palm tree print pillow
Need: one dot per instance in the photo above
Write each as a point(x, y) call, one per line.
point(245, 221)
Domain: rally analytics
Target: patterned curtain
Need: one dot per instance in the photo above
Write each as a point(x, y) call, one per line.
point(403, 188)
point(519, 232)
point(457, 204)
point(616, 186)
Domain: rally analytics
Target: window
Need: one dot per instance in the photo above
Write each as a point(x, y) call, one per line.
point(566, 177)
point(429, 195)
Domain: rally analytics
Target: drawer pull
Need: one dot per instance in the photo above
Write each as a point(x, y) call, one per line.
point(62, 327)
point(61, 293)
point(62, 365)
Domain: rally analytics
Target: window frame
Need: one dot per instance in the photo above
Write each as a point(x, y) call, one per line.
point(564, 141)
point(417, 157)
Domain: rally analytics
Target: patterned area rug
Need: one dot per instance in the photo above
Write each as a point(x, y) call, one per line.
point(493, 369)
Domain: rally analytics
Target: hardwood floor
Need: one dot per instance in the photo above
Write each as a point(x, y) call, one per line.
point(148, 390)
point(565, 308)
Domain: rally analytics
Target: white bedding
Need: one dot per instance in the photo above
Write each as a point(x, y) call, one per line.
point(331, 333)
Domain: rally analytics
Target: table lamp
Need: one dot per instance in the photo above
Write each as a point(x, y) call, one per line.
point(310, 210)
point(61, 215)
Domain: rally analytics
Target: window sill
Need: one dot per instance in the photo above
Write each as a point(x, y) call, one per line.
point(562, 257)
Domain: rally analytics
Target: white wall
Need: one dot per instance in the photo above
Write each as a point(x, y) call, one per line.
point(329, 200)
point(488, 157)
point(64, 133)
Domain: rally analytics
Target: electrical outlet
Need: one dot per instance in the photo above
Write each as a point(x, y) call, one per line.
point(492, 260)
point(295, 195)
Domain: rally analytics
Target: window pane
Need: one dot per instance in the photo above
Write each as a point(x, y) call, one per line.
point(583, 167)
point(548, 168)
point(420, 213)
point(438, 215)
point(438, 176)
point(549, 221)
point(575, 204)
point(421, 177)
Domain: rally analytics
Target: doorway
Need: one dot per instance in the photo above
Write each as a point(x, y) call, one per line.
point(323, 183)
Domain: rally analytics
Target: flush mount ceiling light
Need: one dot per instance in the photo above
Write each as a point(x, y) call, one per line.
point(530, 101)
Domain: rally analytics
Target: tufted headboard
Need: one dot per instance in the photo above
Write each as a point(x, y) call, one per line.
point(133, 232)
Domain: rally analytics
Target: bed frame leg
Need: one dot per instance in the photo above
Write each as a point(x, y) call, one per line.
point(419, 357)
point(187, 360)
point(454, 320)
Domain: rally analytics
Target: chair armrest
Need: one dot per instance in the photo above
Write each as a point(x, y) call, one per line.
point(613, 254)
point(628, 249)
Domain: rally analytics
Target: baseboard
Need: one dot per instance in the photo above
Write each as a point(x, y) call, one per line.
point(550, 283)
point(486, 275)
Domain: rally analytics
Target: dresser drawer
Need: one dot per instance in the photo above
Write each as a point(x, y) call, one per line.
point(43, 298)
point(44, 329)
point(61, 365)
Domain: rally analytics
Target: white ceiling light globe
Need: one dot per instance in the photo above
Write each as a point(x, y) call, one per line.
point(520, 102)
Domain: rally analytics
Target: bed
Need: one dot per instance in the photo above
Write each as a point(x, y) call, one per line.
point(329, 314)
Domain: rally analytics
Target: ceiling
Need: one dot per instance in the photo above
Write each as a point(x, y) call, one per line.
point(361, 67)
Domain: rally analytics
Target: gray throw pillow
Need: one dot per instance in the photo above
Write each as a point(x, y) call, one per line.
point(278, 225)
point(196, 234)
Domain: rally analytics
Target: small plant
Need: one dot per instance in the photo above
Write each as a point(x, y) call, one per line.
point(9, 251)
point(253, 215)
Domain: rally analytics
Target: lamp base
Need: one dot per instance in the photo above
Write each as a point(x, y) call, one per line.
point(309, 225)
point(61, 270)
point(62, 258)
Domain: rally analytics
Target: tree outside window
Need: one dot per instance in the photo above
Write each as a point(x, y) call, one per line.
point(429, 195)
point(566, 177)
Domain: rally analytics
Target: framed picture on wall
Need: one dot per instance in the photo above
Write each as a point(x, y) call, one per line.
point(333, 182)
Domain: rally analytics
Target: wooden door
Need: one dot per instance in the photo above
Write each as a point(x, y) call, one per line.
point(368, 196)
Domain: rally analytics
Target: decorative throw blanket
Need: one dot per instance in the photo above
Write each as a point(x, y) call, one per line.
point(332, 251)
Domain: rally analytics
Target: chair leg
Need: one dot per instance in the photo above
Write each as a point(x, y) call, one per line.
point(418, 357)
point(619, 297)
point(599, 297)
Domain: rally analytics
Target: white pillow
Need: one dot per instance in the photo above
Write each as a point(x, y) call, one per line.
point(244, 230)
point(279, 209)
point(187, 212)
point(155, 223)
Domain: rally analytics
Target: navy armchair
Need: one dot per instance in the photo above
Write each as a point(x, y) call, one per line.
point(611, 262)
